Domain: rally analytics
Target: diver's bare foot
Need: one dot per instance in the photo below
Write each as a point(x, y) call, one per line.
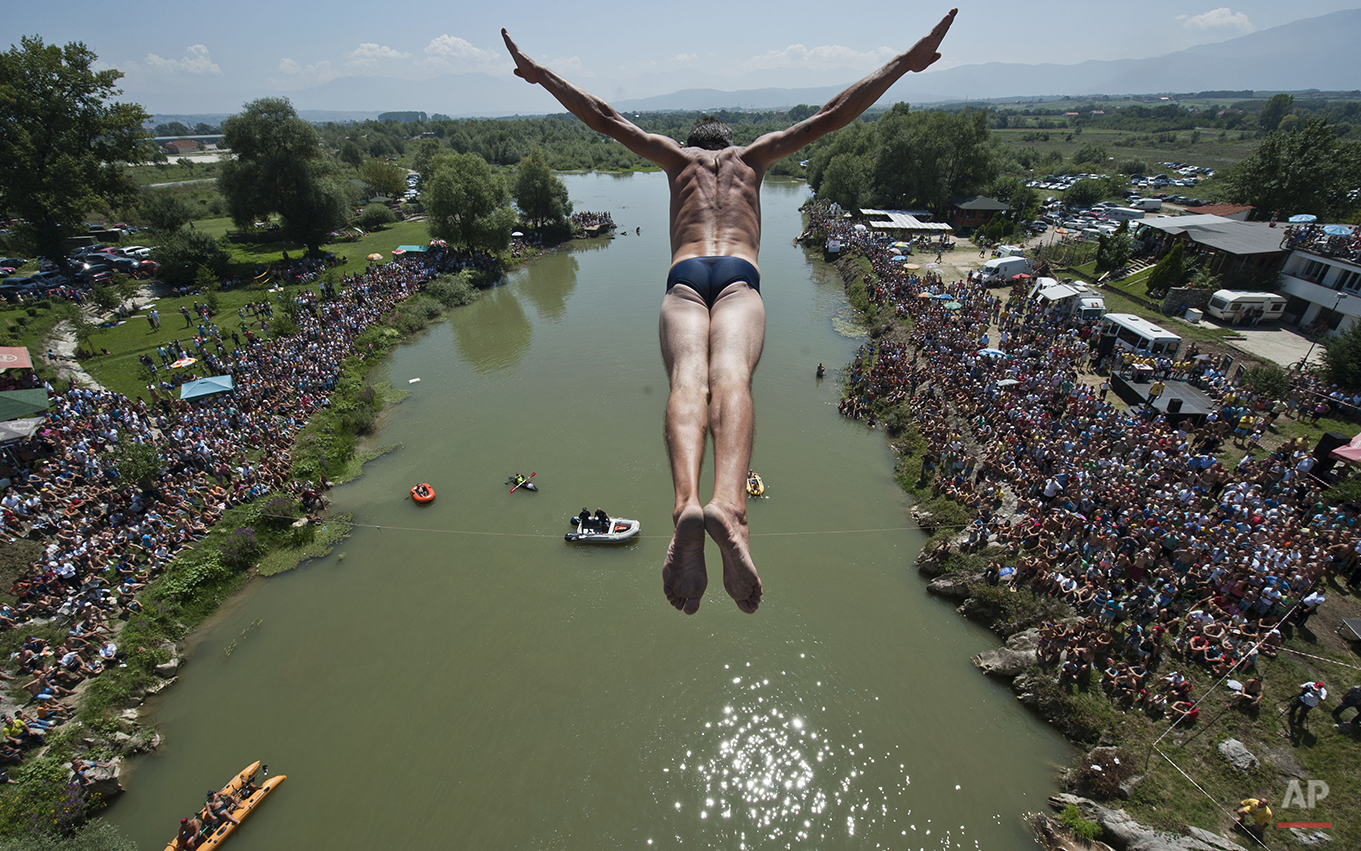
point(683, 576)
point(728, 528)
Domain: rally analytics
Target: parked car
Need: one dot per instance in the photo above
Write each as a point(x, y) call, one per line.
point(15, 287)
point(49, 278)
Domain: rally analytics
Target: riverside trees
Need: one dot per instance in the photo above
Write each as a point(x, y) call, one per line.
point(466, 203)
point(905, 159)
point(63, 140)
point(541, 197)
point(280, 168)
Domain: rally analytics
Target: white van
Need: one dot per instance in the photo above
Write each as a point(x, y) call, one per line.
point(1148, 204)
point(1008, 251)
point(1001, 269)
point(1123, 214)
point(1239, 305)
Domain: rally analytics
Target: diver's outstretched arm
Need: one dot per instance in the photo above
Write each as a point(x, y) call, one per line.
point(598, 115)
point(847, 106)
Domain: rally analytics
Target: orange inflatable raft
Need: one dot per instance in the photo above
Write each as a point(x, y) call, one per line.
point(423, 493)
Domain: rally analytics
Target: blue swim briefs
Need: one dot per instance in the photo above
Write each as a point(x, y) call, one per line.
point(709, 276)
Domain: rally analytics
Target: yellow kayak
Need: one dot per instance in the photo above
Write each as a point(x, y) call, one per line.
point(755, 487)
point(251, 795)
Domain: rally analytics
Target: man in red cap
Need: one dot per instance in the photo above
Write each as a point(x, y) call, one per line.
point(189, 831)
point(1311, 694)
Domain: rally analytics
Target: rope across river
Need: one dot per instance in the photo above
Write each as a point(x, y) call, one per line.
point(656, 537)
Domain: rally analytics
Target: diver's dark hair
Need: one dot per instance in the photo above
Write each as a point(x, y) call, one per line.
point(710, 134)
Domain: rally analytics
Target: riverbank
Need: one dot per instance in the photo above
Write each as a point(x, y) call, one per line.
point(260, 534)
point(978, 460)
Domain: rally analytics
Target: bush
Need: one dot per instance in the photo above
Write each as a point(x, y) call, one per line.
point(278, 511)
point(1089, 153)
point(452, 290)
point(1073, 820)
point(185, 253)
point(1267, 380)
point(240, 548)
point(1169, 273)
point(375, 216)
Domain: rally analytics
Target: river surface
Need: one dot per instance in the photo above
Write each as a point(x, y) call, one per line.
point(456, 676)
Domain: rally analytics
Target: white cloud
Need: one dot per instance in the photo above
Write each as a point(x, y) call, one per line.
point(196, 61)
point(369, 54)
point(449, 53)
point(565, 65)
point(297, 75)
point(821, 58)
point(685, 58)
point(1217, 18)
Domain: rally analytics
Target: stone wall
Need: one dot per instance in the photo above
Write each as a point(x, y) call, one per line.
point(1180, 298)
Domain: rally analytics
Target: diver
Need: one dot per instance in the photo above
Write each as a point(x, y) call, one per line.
point(602, 520)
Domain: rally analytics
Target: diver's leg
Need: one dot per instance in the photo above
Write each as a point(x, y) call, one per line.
point(737, 327)
point(684, 330)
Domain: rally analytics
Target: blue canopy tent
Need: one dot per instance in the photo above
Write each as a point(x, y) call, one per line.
point(207, 387)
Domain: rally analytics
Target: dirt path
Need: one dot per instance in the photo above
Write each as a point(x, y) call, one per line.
point(62, 343)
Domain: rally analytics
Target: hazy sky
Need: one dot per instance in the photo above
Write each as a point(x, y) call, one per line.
point(252, 47)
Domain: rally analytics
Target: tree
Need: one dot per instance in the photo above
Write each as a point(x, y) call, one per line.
point(839, 168)
point(376, 215)
point(541, 196)
point(1269, 118)
point(1114, 251)
point(1084, 193)
point(926, 158)
point(1342, 358)
point(1267, 380)
point(164, 211)
point(426, 150)
point(1168, 273)
point(1305, 170)
point(279, 168)
point(384, 178)
point(351, 153)
point(467, 204)
point(137, 463)
point(183, 254)
point(63, 141)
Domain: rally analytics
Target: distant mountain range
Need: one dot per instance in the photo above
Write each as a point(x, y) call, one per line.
point(1315, 53)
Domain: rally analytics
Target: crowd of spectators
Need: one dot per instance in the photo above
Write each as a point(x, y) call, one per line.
point(1162, 550)
point(1314, 237)
point(586, 219)
point(104, 537)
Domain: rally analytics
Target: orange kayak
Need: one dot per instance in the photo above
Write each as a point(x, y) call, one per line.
point(251, 795)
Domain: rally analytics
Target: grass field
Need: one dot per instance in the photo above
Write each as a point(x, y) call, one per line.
point(120, 370)
point(1211, 150)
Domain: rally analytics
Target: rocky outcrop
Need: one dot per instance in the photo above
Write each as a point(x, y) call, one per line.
point(1012, 659)
point(954, 586)
point(1123, 833)
point(1053, 836)
point(103, 781)
point(1238, 755)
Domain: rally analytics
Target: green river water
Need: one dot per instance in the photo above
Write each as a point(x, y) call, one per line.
point(462, 678)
